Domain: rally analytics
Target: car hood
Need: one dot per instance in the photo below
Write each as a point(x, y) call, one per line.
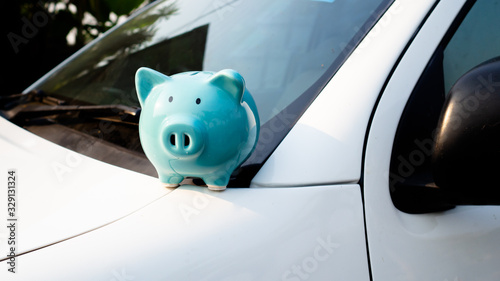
point(62, 194)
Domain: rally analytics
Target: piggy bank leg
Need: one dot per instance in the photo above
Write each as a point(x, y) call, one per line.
point(217, 183)
point(216, 187)
point(171, 180)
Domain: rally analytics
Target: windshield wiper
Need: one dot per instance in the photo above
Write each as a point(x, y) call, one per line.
point(9, 102)
point(23, 108)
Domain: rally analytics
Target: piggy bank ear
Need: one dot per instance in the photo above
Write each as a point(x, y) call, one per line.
point(230, 81)
point(145, 80)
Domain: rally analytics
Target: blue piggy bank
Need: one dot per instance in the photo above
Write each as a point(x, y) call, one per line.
point(196, 124)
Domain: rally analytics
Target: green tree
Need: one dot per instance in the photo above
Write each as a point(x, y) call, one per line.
point(47, 24)
point(90, 17)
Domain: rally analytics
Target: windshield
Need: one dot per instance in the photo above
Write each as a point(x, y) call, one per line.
point(286, 50)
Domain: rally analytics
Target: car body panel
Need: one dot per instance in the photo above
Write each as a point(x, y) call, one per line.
point(326, 144)
point(316, 233)
point(458, 244)
point(61, 194)
point(310, 227)
point(56, 214)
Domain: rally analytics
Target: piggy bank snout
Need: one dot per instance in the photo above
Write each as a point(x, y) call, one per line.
point(183, 137)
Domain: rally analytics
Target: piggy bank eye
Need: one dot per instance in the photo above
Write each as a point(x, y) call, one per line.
point(198, 101)
point(170, 99)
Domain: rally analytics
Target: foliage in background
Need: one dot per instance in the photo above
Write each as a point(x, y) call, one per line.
point(39, 34)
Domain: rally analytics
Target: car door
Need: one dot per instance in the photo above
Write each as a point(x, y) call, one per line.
point(410, 236)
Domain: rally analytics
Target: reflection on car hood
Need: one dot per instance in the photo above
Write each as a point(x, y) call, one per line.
point(61, 194)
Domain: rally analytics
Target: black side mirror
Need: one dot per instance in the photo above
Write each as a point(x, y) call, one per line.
point(466, 156)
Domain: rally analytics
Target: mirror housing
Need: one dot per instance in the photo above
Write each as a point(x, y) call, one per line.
point(466, 155)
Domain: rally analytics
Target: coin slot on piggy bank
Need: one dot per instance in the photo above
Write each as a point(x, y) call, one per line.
point(196, 124)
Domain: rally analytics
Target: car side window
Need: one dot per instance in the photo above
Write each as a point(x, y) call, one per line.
point(473, 38)
point(476, 40)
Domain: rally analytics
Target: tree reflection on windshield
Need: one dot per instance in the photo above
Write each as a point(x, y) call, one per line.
point(94, 76)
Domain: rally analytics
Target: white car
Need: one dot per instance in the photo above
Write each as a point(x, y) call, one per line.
point(350, 178)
